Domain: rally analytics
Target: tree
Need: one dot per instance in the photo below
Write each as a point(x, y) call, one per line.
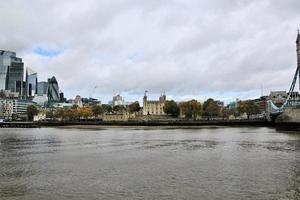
point(191, 109)
point(119, 108)
point(32, 111)
point(249, 107)
point(227, 112)
point(211, 108)
point(171, 108)
point(106, 108)
point(60, 113)
point(97, 110)
point(50, 114)
point(134, 107)
point(85, 112)
point(74, 106)
point(71, 114)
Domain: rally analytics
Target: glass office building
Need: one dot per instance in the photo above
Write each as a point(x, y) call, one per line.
point(31, 82)
point(11, 72)
point(42, 88)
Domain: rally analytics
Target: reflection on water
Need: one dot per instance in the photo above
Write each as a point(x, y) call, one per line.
point(133, 163)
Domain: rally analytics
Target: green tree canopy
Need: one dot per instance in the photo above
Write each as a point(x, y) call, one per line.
point(32, 111)
point(119, 108)
point(171, 108)
point(97, 110)
point(211, 108)
point(107, 108)
point(249, 107)
point(191, 109)
point(134, 107)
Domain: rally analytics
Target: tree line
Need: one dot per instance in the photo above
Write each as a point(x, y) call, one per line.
point(209, 109)
point(189, 109)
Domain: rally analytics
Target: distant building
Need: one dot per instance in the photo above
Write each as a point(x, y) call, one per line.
point(42, 88)
point(278, 97)
point(7, 94)
point(14, 108)
point(116, 117)
point(11, 72)
point(31, 83)
point(220, 103)
point(78, 101)
point(154, 107)
point(62, 105)
point(41, 100)
point(62, 97)
point(261, 103)
point(118, 100)
point(53, 90)
point(90, 101)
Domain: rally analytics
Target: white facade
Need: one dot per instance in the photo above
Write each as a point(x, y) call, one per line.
point(118, 100)
point(78, 101)
point(11, 107)
point(154, 107)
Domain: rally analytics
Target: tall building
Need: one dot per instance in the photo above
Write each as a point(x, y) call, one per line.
point(42, 88)
point(31, 82)
point(154, 107)
point(298, 52)
point(16, 78)
point(78, 101)
point(118, 100)
point(53, 90)
point(11, 72)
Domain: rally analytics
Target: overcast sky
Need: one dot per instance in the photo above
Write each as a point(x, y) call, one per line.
point(224, 49)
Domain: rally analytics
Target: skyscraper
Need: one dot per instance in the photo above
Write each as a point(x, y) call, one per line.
point(11, 72)
point(42, 88)
point(31, 82)
point(298, 52)
point(53, 90)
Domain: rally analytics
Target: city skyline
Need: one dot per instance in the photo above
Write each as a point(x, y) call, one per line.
point(190, 49)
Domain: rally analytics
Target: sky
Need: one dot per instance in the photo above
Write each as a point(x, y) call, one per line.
point(224, 49)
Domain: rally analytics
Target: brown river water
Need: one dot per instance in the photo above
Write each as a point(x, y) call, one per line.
point(149, 163)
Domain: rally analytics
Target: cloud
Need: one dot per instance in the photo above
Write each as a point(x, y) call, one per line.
point(189, 48)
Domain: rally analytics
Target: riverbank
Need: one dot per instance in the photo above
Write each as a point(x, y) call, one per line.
point(178, 123)
point(19, 125)
point(170, 124)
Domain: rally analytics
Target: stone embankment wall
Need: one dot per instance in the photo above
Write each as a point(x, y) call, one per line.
point(290, 115)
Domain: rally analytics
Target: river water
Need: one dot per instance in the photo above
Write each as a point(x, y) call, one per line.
point(149, 163)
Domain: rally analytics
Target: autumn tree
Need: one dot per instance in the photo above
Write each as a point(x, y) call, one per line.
point(32, 111)
point(191, 109)
point(249, 107)
point(211, 108)
point(97, 110)
point(84, 112)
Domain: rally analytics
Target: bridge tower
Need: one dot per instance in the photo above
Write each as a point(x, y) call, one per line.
point(298, 53)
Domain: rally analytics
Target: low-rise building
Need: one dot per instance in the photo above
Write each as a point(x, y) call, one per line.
point(116, 117)
point(13, 109)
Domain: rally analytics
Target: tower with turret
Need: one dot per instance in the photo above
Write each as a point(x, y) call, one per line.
point(155, 107)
